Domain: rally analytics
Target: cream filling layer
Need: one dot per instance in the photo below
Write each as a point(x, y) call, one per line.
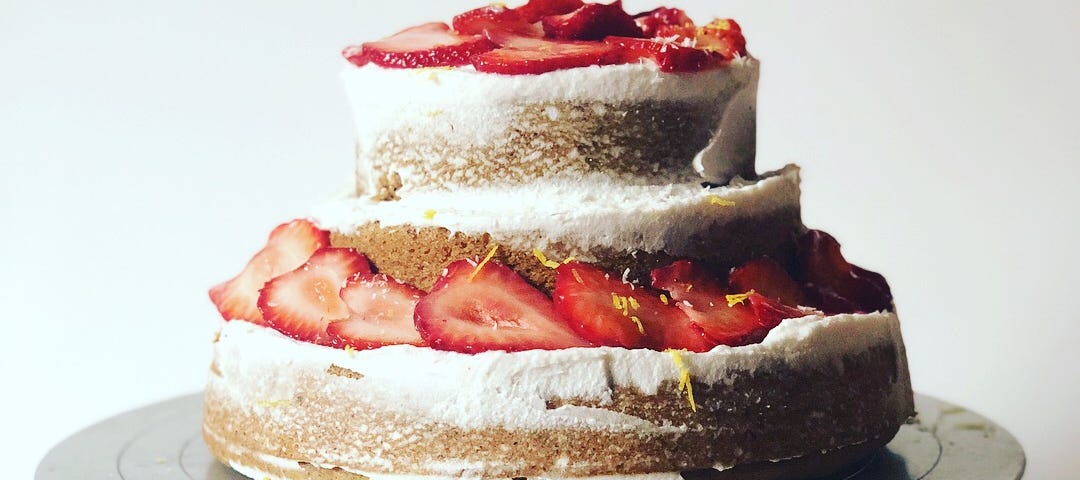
point(584, 212)
point(510, 390)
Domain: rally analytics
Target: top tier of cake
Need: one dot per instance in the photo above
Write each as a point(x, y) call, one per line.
point(632, 117)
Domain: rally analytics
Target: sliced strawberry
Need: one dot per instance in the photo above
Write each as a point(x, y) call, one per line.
point(839, 287)
point(380, 313)
point(607, 311)
point(473, 309)
point(534, 10)
point(302, 302)
point(495, 17)
point(289, 245)
point(651, 21)
point(740, 319)
point(686, 279)
point(524, 55)
point(723, 36)
point(670, 56)
point(592, 21)
point(427, 45)
point(740, 323)
point(765, 276)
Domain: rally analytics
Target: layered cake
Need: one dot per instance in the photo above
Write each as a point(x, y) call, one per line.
point(556, 260)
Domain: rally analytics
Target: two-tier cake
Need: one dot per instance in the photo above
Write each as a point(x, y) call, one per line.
point(558, 261)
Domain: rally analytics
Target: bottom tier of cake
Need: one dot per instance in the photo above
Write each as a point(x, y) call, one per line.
point(814, 396)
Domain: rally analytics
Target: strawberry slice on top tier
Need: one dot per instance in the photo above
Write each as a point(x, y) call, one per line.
point(546, 35)
point(518, 54)
point(428, 45)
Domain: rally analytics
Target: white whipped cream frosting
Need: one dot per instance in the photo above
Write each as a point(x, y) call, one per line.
point(591, 211)
point(509, 389)
point(471, 107)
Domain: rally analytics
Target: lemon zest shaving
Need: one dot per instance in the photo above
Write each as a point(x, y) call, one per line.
point(624, 305)
point(689, 287)
point(684, 377)
point(663, 299)
point(350, 350)
point(434, 113)
point(483, 262)
point(723, 202)
point(429, 214)
point(544, 260)
point(738, 298)
point(577, 276)
point(568, 260)
point(273, 403)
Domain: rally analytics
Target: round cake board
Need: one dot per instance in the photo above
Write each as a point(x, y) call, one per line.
point(163, 442)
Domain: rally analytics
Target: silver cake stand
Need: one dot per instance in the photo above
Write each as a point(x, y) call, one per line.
point(163, 442)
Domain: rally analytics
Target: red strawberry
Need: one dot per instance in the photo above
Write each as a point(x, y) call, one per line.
point(495, 17)
point(741, 323)
point(427, 45)
point(688, 282)
point(380, 313)
point(592, 21)
point(723, 36)
point(289, 245)
point(768, 278)
point(838, 285)
point(651, 21)
point(473, 310)
point(524, 55)
point(741, 319)
point(669, 56)
point(607, 311)
point(534, 10)
point(302, 302)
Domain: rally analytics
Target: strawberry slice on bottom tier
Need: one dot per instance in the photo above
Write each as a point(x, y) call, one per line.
point(607, 311)
point(728, 319)
point(479, 307)
point(380, 313)
point(289, 245)
point(834, 284)
point(303, 302)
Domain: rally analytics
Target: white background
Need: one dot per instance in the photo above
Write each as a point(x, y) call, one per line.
point(147, 148)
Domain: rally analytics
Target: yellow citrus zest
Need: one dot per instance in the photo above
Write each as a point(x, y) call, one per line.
point(544, 260)
point(684, 377)
point(483, 262)
point(273, 403)
point(429, 214)
point(663, 299)
point(625, 305)
point(738, 298)
point(723, 202)
point(577, 276)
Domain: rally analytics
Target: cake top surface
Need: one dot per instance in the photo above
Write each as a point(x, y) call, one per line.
point(548, 35)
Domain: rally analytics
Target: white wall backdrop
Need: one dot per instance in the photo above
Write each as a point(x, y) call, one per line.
point(146, 148)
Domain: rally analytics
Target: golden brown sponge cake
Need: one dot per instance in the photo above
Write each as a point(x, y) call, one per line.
point(556, 260)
